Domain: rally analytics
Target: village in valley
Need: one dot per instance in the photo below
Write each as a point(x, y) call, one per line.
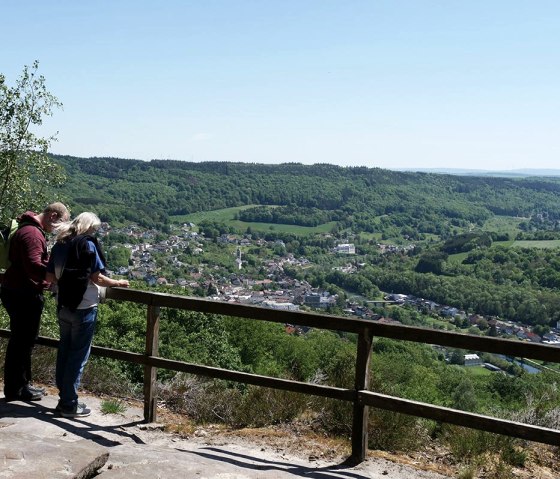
point(167, 261)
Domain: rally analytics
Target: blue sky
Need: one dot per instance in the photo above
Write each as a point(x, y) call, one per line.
point(390, 84)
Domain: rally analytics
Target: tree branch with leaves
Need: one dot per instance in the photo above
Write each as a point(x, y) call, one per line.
point(27, 174)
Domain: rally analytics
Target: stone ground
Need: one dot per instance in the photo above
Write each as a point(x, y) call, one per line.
point(36, 443)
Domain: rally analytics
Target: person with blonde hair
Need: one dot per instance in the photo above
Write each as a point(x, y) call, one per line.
point(23, 285)
point(77, 266)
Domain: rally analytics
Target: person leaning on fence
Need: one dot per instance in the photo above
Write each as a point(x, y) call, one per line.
point(77, 266)
point(22, 296)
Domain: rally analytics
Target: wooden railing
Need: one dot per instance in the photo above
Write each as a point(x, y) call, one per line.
point(359, 395)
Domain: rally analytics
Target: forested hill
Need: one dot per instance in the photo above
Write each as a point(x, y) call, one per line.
point(149, 192)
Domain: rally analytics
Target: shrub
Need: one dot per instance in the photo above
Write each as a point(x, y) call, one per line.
point(334, 417)
point(392, 431)
point(467, 445)
point(103, 376)
point(263, 406)
point(237, 406)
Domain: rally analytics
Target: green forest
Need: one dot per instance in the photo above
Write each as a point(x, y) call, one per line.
point(455, 243)
point(366, 199)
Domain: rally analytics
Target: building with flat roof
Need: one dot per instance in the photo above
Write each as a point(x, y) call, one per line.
point(472, 360)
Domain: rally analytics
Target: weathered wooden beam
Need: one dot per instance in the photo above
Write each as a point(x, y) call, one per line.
point(337, 323)
point(360, 413)
point(340, 323)
point(462, 418)
point(150, 372)
point(509, 347)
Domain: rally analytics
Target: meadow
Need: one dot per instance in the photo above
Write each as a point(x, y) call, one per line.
point(228, 215)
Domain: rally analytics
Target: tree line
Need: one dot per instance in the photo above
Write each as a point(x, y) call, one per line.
point(369, 199)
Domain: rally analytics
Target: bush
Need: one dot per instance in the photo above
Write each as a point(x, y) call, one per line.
point(334, 417)
point(392, 431)
point(263, 406)
point(237, 406)
point(103, 376)
point(470, 444)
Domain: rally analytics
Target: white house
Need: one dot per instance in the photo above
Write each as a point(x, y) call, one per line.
point(472, 360)
point(346, 248)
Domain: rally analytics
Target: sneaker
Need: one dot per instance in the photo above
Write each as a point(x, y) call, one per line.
point(35, 389)
point(59, 407)
point(24, 394)
point(80, 410)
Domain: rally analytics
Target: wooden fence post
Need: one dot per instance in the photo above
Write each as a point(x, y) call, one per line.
point(360, 411)
point(150, 373)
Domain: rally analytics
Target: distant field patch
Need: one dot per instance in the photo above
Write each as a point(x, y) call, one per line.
point(364, 235)
point(293, 229)
point(457, 257)
point(505, 244)
point(224, 215)
point(478, 370)
point(504, 224)
point(227, 216)
point(537, 244)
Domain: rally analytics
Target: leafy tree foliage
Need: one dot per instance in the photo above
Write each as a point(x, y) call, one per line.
point(27, 174)
point(466, 242)
point(289, 215)
point(117, 256)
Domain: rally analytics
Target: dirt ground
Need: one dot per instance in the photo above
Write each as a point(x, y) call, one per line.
point(543, 462)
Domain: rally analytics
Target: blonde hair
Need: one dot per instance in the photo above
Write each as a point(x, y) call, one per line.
point(86, 222)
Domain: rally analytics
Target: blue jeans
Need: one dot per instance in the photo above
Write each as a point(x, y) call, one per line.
point(76, 334)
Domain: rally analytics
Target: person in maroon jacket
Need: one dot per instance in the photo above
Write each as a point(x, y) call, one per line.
point(22, 296)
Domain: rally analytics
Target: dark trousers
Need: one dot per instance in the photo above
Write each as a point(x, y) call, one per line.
point(24, 309)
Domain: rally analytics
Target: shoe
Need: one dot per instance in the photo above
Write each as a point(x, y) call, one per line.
point(34, 389)
point(24, 395)
point(59, 407)
point(80, 410)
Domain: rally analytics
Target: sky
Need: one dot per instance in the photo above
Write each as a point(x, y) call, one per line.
point(390, 84)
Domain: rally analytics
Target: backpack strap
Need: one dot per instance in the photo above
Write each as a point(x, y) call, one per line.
point(59, 254)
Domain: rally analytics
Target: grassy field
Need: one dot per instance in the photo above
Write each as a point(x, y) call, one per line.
point(537, 244)
point(478, 371)
point(458, 257)
point(506, 244)
point(227, 216)
point(504, 224)
point(370, 236)
point(223, 215)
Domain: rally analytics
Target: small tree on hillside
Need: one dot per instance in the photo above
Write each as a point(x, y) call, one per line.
point(27, 174)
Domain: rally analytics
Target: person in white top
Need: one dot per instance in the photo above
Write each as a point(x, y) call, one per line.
point(77, 267)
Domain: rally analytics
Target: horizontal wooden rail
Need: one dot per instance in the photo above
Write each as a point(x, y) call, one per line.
point(359, 396)
point(461, 418)
point(237, 310)
point(227, 374)
point(340, 323)
point(209, 371)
